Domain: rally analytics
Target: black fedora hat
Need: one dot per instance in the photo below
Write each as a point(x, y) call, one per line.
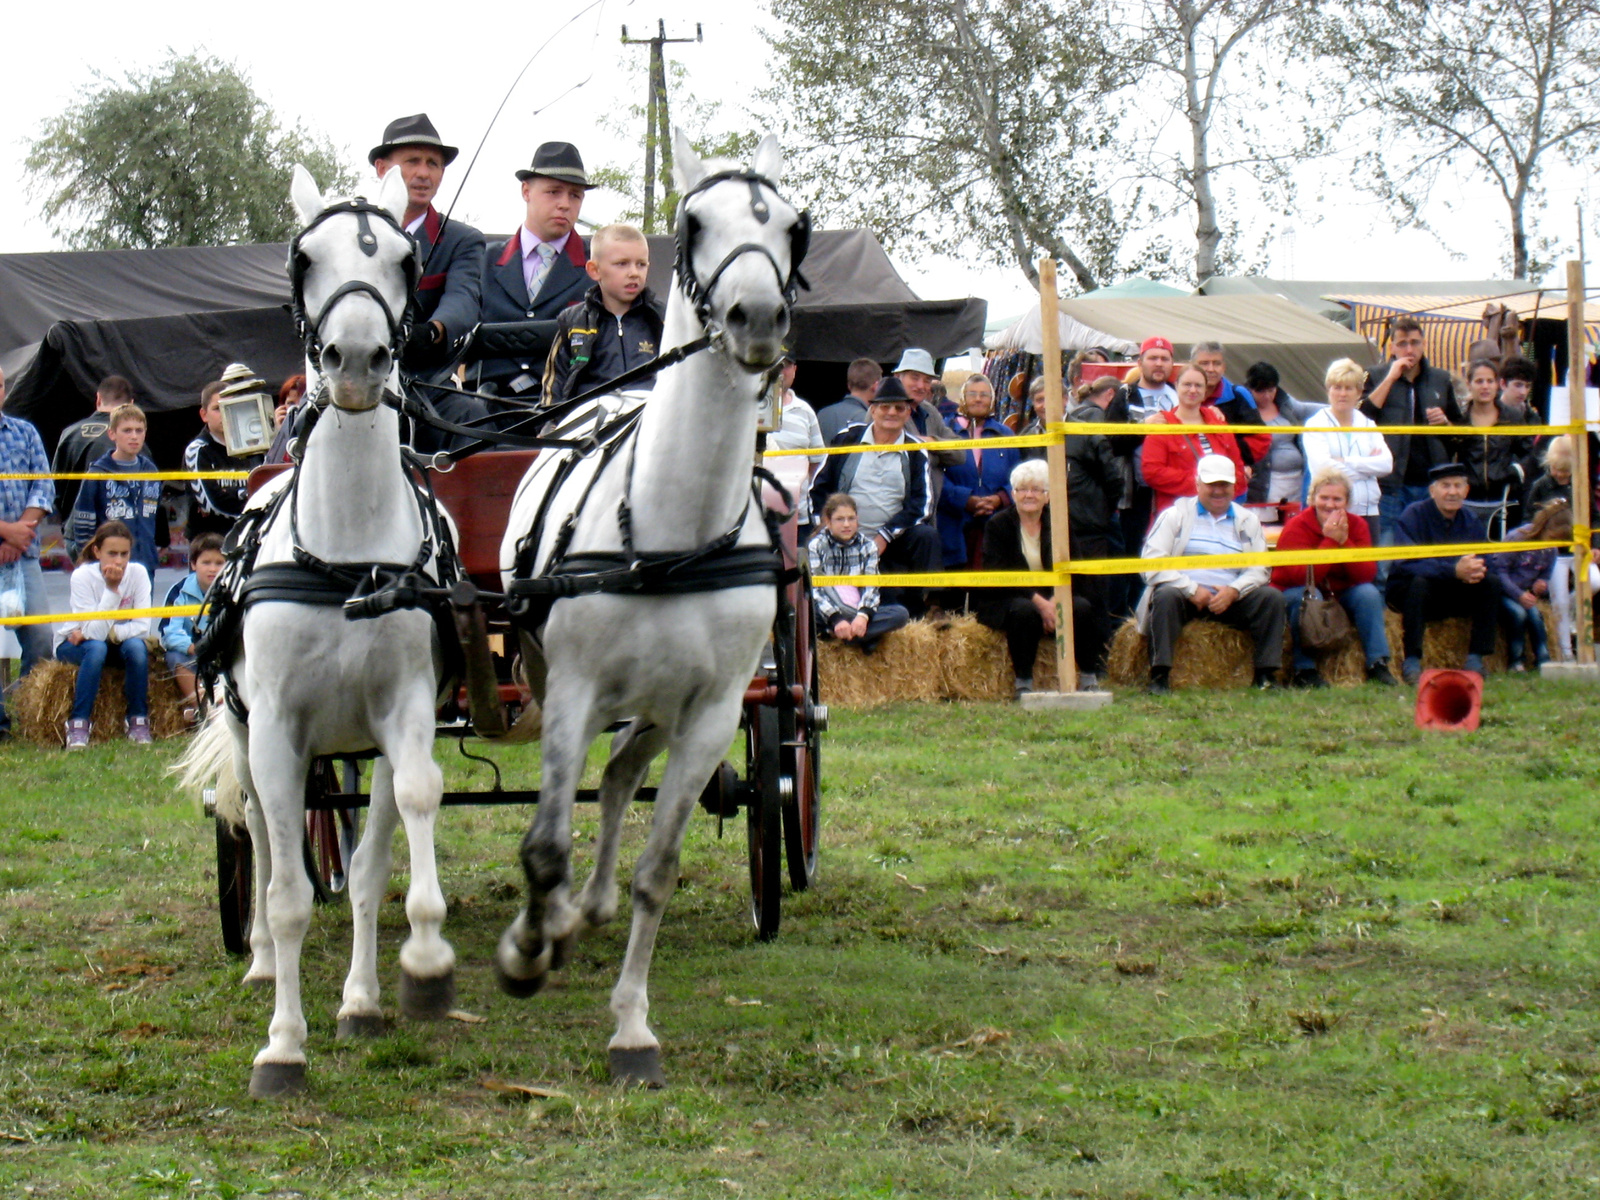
point(891, 391)
point(558, 160)
point(411, 131)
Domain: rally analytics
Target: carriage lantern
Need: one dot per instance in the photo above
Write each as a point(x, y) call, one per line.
point(247, 408)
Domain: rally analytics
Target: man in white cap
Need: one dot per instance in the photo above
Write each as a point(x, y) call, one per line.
point(1211, 523)
point(916, 373)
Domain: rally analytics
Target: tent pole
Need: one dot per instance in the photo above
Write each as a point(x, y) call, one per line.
point(1578, 414)
point(1056, 462)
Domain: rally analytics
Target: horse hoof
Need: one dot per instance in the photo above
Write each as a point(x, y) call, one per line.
point(361, 1025)
point(633, 1068)
point(270, 1080)
point(427, 999)
point(513, 985)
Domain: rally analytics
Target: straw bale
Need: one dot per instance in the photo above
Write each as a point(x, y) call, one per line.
point(973, 662)
point(43, 702)
point(905, 666)
point(1208, 655)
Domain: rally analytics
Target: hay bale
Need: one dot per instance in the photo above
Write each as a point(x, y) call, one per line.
point(905, 666)
point(43, 702)
point(1207, 655)
point(973, 662)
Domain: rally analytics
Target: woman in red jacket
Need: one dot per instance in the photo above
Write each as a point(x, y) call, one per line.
point(1170, 460)
point(1327, 523)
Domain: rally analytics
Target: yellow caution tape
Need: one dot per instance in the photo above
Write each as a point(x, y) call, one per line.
point(159, 476)
point(1053, 435)
point(1131, 566)
point(116, 614)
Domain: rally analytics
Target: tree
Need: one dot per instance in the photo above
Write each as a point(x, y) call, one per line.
point(1186, 59)
point(956, 124)
point(1458, 89)
point(186, 155)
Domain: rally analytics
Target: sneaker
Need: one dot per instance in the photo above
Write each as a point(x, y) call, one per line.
point(1518, 668)
point(1266, 680)
point(1474, 664)
point(1308, 677)
point(1378, 672)
point(139, 730)
point(78, 731)
point(1160, 681)
point(1411, 671)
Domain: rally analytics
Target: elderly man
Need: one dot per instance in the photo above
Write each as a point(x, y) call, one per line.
point(1238, 596)
point(891, 490)
point(916, 375)
point(541, 268)
point(1235, 403)
point(23, 504)
point(1425, 589)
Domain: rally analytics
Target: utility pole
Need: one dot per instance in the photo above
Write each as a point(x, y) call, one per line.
point(657, 131)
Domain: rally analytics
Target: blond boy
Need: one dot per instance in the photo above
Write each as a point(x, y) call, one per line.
point(617, 326)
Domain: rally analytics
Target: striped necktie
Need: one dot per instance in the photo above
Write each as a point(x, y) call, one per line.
point(547, 255)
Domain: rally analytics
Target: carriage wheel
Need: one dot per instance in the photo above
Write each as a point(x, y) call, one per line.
point(330, 833)
point(235, 892)
point(802, 810)
point(763, 822)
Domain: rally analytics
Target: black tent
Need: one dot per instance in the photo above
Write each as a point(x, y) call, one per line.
point(171, 319)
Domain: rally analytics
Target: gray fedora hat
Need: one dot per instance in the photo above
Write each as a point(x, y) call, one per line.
point(414, 130)
point(558, 160)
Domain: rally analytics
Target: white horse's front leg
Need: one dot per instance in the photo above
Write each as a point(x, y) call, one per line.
point(280, 772)
point(427, 963)
point(635, 1052)
point(361, 1015)
point(631, 754)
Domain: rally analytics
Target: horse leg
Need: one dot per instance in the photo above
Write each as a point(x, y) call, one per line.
point(427, 963)
point(632, 751)
point(279, 769)
point(635, 1052)
point(526, 955)
point(263, 960)
point(360, 1015)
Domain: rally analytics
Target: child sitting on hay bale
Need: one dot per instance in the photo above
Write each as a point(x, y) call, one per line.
point(206, 561)
point(850, 613)
point(106, 581)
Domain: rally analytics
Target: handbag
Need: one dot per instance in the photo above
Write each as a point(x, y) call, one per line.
point(13, 592)
point(1323, 620)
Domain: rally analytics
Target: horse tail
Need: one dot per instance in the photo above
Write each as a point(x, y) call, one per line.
point(208, 764)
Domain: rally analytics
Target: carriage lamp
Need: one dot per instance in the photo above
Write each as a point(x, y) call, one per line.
point(769, 408)
point(247, 408)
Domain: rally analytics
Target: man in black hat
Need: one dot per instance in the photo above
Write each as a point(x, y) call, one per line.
point(894, 499)
point(449, 253)
point(540, 269)
point(1426, 589)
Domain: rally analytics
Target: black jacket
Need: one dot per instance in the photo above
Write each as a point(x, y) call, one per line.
point(1407, 404)
point(79, 446)
point(1094, 478)
point(1496, 463)
point(593, 345)
point(505, 298)
point(840, 470)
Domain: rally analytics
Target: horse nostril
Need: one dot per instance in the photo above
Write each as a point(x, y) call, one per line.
point(380, 361)
point(331, 357)
point(780, 317)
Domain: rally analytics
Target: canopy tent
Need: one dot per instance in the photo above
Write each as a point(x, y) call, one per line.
point(1026, 334)
point(1315, 294)
point(171, 319)
point(1450, 326)
point(1135, 288)
point(1252, 328)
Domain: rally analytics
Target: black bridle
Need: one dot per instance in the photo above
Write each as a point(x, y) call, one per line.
point(699, 293)
point(309, 329)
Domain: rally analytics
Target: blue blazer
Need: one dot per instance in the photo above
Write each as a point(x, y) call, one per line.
point(450, 290)
point(966, 479)
point(505, 296)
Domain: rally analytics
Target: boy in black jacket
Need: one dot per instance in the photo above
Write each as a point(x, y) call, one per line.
point(618, 325)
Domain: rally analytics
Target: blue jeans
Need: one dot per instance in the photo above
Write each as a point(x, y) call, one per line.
point(91, 656)
point(1390, 506)
point(35, 639)
point(1524, 625)
point(1363, 602)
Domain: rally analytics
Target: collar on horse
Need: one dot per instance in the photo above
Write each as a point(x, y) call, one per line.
point(309, 329)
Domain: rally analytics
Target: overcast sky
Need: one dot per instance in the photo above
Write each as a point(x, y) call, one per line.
point(348, 69)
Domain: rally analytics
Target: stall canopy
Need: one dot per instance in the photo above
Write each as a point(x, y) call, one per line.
point(1252, 328)
point(1315, 294)
point(1451, 325)
point(171, 319)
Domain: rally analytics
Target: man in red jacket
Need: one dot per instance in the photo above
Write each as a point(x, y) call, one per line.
point(1325, 524)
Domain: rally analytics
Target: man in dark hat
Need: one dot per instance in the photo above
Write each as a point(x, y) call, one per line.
point(894, 502)
point(1426, 589)
point(540, 269)
point(449, 253)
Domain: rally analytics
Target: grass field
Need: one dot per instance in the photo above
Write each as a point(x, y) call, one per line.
point(1213, 945)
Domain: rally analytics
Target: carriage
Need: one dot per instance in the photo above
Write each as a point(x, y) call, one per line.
point(778, 790)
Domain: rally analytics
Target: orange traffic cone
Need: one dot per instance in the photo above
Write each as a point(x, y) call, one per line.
point(1449, 700)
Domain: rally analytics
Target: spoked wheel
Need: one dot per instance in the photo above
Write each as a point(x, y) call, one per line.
point(235, 891)
point(802, 809)
point(763, 820)
point(330, 833)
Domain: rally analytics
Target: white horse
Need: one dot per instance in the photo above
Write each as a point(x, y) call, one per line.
point(675, 666)
point(315, 683)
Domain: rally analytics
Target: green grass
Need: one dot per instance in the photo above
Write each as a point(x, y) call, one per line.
point(1210, 946)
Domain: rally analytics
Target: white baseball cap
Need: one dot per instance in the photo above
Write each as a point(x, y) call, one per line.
point(1215, 468)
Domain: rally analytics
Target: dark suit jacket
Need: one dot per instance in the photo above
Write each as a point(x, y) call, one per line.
point(450, 288)
point(1407, 404)
point(505, 298)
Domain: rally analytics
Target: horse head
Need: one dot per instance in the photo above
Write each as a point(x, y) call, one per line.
point(739, 249)
point(352, 271)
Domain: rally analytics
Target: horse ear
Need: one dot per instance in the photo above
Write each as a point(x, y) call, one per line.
point(305, 195)
point(393, 194)
point(768, 161)
point(687, 168)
